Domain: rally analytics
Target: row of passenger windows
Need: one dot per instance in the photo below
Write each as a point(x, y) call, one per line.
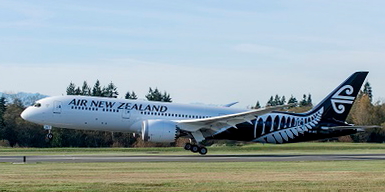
point(144, 113)
point(95, 109)
point(174, 115)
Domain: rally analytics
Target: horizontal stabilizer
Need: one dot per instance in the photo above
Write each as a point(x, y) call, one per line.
point(359, 128)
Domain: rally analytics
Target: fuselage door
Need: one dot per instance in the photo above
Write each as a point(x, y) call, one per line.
point(126, 114)
point(57, 106)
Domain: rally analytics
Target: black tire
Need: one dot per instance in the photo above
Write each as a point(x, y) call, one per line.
point(202, 150)
point(187, 146)
point(194, 148)
point(50, 136)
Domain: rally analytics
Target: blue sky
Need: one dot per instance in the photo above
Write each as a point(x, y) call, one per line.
point(213, 52)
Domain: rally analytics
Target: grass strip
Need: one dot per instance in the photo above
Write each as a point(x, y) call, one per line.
point(184, 176)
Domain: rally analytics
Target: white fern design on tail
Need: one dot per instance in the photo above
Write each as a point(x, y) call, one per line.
point(289, 130)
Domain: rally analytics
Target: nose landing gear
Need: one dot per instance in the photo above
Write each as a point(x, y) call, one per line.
point(195, 148)
point(49, 136)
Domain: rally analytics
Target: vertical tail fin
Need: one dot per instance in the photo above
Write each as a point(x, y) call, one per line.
point(339, 102)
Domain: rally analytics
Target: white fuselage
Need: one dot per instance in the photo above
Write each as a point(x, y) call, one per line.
point(111, 114)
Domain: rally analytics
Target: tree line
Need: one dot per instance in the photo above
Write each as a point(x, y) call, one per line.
point(281, 100)
point(14, 131)
point(111, 91)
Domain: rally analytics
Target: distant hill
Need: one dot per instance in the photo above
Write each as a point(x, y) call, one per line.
point(26, 98)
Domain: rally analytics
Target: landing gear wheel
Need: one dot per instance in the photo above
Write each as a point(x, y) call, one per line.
point(194, 149)
point(187, 146)
point(49, 136)
point(202, 150)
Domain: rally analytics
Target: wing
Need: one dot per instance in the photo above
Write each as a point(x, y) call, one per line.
point(225, 121)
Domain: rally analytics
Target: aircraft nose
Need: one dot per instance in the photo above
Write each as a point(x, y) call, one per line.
point(26, 114)
point(32, 115)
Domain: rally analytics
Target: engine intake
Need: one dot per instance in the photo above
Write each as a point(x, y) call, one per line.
point(161, 131)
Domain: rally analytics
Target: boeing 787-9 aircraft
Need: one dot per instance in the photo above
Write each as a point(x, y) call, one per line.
point(165, 122)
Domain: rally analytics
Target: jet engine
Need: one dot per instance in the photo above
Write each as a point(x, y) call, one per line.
point(161, 131)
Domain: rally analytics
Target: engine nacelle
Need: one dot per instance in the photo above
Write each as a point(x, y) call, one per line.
point(161, 131)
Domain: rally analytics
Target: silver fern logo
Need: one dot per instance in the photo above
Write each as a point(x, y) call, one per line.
point(339, 101)
point(294, 127)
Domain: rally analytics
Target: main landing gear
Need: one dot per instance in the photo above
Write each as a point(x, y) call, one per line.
point(195, 148)
point(49, 135)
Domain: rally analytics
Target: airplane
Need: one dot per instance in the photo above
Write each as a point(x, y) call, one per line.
point(165, 122)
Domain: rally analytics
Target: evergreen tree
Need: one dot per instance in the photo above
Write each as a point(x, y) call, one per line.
point(128, 95)
point(110, 90)
point(277, 100)
point(131, 95)
point(283, 100)
point(166, 97)
point(11, 119)
point(303, 101)
point(156, 95)
point(309, 101)
point(18, 103)
point(150, 94)
point(368, 91)
point(257, 105)
point(71, 89)
point(2, 111)
point(2, 105)
point(270, 102)
point(78, 91)
point(86, 90)
point(97, 89)
point(292, 100)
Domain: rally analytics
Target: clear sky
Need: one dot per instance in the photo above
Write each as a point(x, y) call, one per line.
point(212, 52)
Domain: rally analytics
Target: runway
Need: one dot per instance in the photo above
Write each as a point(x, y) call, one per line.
point(189, 158)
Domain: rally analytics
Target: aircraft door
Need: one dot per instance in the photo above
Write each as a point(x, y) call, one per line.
point(126, 114)
point(57, 106)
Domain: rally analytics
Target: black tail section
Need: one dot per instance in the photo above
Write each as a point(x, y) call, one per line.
point(339, 102)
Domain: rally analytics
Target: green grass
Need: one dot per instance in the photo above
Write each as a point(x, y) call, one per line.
point(184, 176)
point(198, 176)
point(295, 148)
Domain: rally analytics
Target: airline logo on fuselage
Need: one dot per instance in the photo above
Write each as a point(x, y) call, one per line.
point(117, 105)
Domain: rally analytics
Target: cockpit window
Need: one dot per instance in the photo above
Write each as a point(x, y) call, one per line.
point(37, 105)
